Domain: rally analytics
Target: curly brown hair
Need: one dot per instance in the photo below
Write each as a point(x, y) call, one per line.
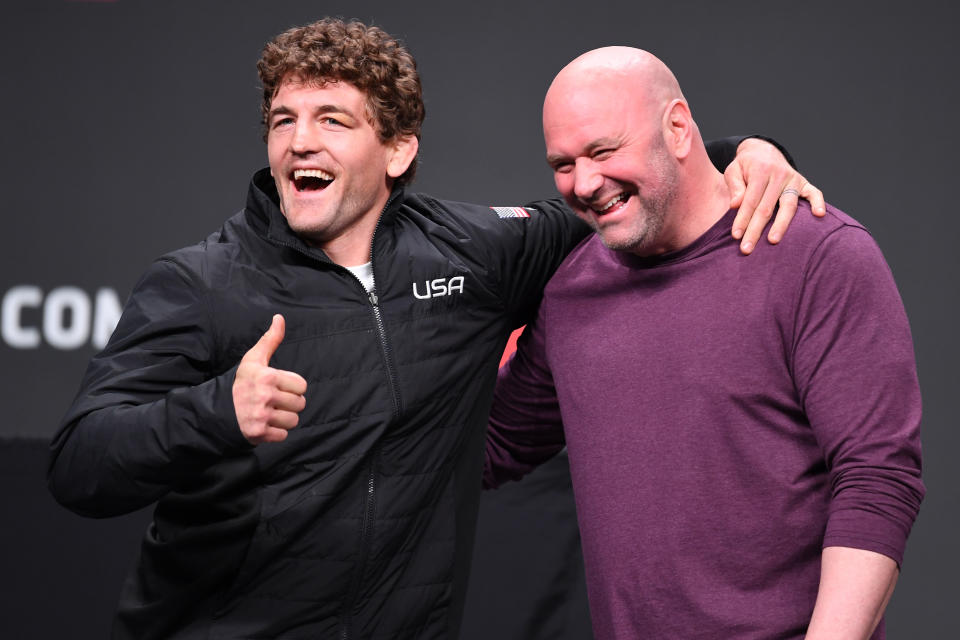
point(365, 56)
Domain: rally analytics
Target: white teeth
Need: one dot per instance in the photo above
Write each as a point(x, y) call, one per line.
point(611, 203)
point(311, 173)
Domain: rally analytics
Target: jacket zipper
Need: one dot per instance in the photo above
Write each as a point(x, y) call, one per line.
point(385, 348)
point(378, 317)
point(366, 538)
point(366, 528)
point(370, 501)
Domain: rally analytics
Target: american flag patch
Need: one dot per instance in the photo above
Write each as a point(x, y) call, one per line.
point(512, 212)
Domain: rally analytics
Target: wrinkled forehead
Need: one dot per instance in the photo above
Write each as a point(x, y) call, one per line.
point(295, 80)
point(573, 99)
point(298, 80)
point(578, 91)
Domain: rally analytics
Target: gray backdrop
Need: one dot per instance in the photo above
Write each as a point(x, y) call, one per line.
point(131, 128)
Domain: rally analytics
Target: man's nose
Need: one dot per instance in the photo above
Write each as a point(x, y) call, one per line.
point(305, 139)
point(587, 180)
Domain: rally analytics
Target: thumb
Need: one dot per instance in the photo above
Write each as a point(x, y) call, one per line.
point(268, 342)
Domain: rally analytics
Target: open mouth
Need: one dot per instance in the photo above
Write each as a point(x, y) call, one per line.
point(613, 204)
point(311, 179)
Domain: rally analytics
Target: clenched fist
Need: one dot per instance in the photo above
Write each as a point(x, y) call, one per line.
point(267, 400)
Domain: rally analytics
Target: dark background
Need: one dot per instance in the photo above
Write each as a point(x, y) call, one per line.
point(131, 128)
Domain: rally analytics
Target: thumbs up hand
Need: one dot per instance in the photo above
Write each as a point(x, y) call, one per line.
point(267, 400)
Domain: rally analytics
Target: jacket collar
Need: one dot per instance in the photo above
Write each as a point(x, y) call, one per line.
point(263, 210)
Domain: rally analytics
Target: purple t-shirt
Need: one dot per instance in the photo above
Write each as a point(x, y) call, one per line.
point(726, 417)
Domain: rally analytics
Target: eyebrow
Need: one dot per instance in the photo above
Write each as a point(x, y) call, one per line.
point(553, 158)
point(324, 108)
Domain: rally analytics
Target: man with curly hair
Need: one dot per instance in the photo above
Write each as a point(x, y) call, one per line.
point(320, 479)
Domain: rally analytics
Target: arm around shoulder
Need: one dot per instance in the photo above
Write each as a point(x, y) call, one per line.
point(532, 249)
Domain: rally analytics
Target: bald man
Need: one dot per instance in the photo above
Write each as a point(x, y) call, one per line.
point(746, 463)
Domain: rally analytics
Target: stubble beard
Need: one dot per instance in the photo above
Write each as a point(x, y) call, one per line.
point(318, 227)
point(653, 207)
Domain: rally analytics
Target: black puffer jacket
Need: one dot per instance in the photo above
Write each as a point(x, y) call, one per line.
point(360, 524)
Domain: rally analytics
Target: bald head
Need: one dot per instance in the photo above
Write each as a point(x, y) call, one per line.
point(633, 74)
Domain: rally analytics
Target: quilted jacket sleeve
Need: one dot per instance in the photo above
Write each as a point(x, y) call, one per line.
point(154, 407)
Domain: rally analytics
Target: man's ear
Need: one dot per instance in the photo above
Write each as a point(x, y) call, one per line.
point(678, 128)
point(402, 152)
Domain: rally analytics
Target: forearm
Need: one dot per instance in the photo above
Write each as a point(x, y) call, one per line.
point(855, 587)
point(525, 427)
point(121, 457)
point(513, 452)
point(523, 432)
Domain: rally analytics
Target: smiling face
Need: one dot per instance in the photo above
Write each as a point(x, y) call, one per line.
point(332, 171)
point(606, 148)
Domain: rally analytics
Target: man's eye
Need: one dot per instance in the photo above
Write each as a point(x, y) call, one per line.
point(280, 122)
point(332, 122)
point(603, 154)
point(564, 167)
